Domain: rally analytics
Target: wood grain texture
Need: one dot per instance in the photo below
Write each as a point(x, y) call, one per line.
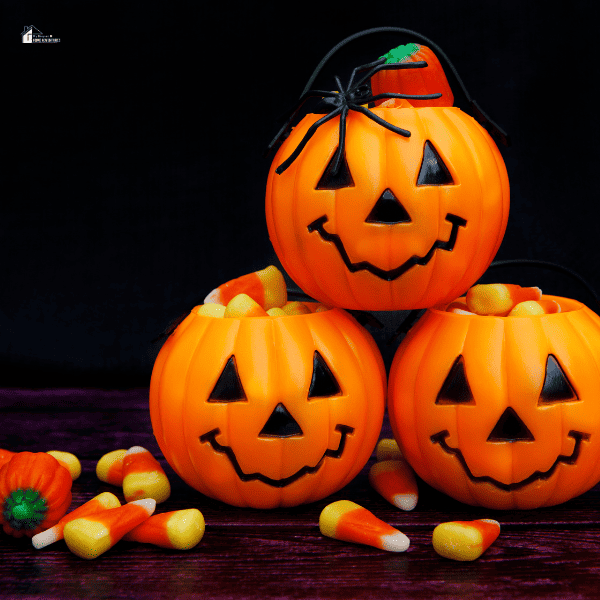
point(246, 553)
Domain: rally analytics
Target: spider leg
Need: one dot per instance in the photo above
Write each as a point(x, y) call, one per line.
point(404, 96)
point(370, 65)
point(294, 111)
point(379, 120)
point(311, 131)
point(342, 140)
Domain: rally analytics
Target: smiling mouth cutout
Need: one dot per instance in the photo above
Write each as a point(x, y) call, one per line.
point(391, 274)
point(440, 438)
point(211, 438)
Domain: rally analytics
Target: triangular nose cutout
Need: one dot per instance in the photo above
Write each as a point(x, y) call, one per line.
point(280, 424)
point(510, 428)
point(388, 210)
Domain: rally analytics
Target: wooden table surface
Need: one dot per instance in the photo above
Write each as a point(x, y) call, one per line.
point(245, 553)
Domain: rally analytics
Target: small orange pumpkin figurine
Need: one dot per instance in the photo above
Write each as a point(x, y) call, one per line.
point(426, 80)
point(501, 412)
point(35, 493)
point(268, 411)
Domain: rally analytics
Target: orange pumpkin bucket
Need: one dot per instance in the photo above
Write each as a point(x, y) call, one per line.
point(391, 207)
point(501, 412)
point(268, 411)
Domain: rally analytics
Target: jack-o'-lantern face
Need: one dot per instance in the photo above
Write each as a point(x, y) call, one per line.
point(502, 412)
point(405, 222)
point(268, 411)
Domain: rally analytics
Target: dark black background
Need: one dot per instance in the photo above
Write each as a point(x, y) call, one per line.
point(133, 170)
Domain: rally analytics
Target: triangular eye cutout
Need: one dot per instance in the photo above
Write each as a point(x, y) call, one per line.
point(323, 382)
point(334, 181)
point(510, 428)
point(229, 386)
point(433, 170)
point(456, 389)
point(388, 210)
point(557, 387)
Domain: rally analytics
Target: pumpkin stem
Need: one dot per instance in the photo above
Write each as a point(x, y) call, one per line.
point(400, 53)
point(24, 509)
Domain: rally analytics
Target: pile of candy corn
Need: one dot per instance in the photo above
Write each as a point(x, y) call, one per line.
point(503, 300)
point(259, 294)
point(96, 526)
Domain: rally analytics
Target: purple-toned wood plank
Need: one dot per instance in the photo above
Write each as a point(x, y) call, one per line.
point(248, 553)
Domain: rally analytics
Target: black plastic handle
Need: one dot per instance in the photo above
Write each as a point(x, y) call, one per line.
point(477, 113)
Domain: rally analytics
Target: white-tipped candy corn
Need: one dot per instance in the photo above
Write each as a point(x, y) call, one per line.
point(91, 536)
point(243, 306)
point(143, 477)
point(276, 312)
point(347, 521)
point(266, 287)
point(211, 310)
point(387, 449)
point(178, 529)
point(69, 461)
point(465, 540)
point(110, 467)
point(97, 504)
point(396, 482)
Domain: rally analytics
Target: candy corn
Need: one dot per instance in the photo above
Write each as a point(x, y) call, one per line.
point(266, 287)
point(97, 504)
point(67, 460)
point(178, 529)
point(295, 308)
point(211, 310)
point(387, 449)
point(143, 477)
point(526, 309)
point(531, 307)
point(344, 520)
point(91, 536)
point(465, 540)
point(459, 307)
point(395, 481)
point(243, 306)
point(110, 467)
point(499, 298)
point(276, 312)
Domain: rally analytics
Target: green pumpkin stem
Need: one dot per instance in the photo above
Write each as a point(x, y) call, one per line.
point(400, 53)
point(24, 509)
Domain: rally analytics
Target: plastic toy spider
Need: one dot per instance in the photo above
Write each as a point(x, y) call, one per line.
point(353, 97)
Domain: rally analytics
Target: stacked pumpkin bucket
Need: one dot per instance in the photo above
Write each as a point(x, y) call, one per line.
point(384, 197)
